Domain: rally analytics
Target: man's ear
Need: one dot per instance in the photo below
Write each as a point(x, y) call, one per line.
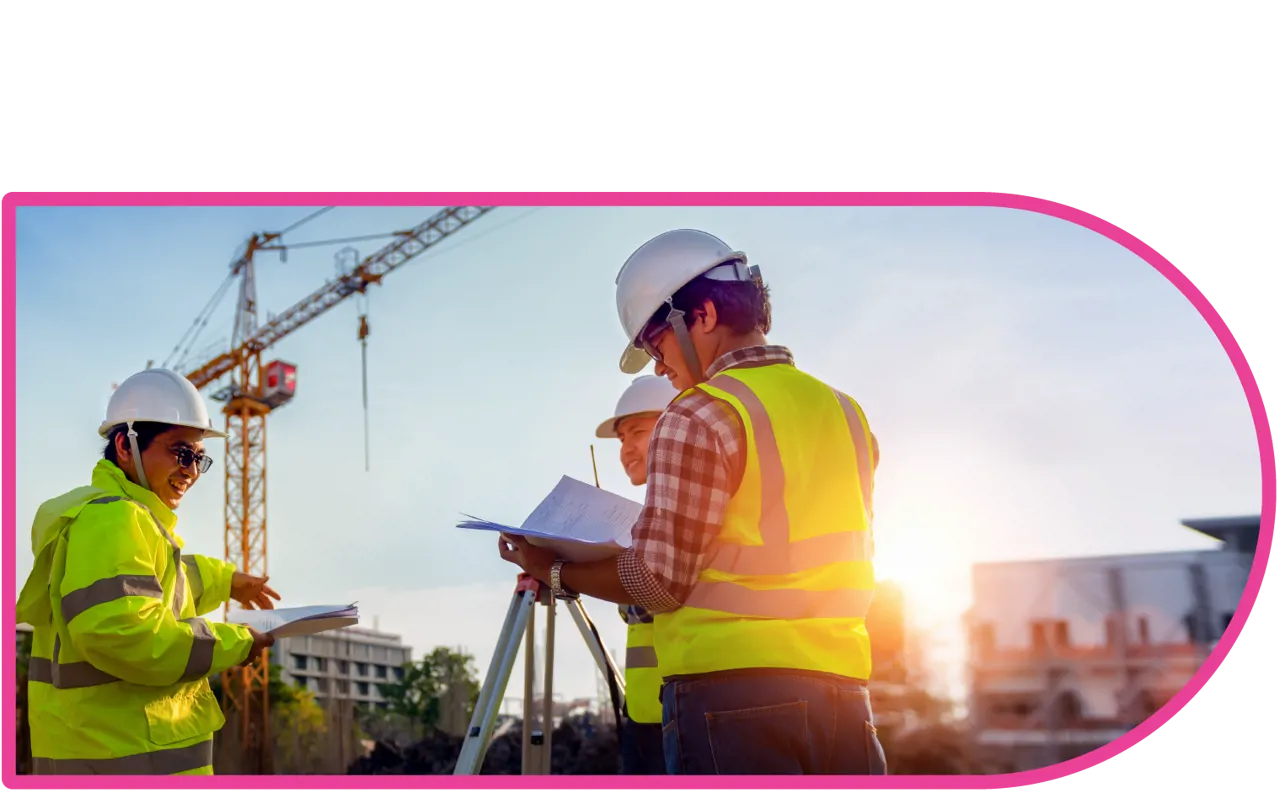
point(123, 453)
point(710, 319)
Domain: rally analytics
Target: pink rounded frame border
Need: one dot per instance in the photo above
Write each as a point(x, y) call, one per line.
point(974, 199)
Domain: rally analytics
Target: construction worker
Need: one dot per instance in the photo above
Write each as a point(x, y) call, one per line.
point(120, 658)
point(754, 549)
point(641, 734)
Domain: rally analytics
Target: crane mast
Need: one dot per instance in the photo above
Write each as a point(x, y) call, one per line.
point(253, 392)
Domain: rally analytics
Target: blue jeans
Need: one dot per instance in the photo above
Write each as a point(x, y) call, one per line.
point(769, 721)
point(641, 748)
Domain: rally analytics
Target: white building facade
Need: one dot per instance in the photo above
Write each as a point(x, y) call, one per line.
point(1067, 655)
point(343, 664)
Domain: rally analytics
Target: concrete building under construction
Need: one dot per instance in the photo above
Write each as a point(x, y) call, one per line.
point(1067, 655)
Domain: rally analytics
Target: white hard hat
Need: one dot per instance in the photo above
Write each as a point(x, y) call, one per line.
point(647, 394)
point(658, 269)
point(162, 396)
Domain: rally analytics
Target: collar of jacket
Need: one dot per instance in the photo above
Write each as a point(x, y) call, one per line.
point(108, 476)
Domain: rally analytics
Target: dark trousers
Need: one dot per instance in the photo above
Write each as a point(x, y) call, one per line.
point(641, 748)
point(769, 721)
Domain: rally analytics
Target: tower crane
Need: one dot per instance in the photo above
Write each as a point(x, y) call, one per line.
point(255, 390)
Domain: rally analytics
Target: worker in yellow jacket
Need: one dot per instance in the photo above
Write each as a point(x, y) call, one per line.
point(754, 548)
point(120, 656)
point(641, 734)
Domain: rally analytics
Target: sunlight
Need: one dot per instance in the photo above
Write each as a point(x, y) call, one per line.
point(934, 578)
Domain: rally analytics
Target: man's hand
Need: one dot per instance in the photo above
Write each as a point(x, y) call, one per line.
point(250, 591)
point(533, 560)
point(261, 641)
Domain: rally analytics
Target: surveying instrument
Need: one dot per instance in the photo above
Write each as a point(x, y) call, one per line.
point(535, 754)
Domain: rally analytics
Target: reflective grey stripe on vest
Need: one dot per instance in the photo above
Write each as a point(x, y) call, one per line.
point(778, 555)
point(79, 674)
point(106, 590)
point(641, 658)
point(82, 674)
point(865, 463)
point(193, 571)
point(161, 761)
point(201, 658)
point(180, 588)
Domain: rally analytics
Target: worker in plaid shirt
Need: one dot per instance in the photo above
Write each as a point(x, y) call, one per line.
point(754, 548)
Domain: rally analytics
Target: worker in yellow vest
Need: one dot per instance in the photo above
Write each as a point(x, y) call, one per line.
point(641, 735)
point(117, 682)
point(754, 547)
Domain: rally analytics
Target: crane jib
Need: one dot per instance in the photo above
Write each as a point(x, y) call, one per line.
point(427, 234)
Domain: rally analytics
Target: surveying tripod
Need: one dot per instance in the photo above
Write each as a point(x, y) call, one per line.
point(535, 755)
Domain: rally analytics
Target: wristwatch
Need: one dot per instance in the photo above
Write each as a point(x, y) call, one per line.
point(557, 589)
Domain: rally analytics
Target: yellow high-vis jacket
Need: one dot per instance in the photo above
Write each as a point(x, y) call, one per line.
point(643, 676)
point(790, 575)
point(117, 682)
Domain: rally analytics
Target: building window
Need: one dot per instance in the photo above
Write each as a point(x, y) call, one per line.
point(399, 671)
point(322, 664)
point(380, 671)
point(344, 668)
point(362, 689)
point(984, 639)
point(1039, 638)
point(1068, 707)
point(362, 670)
point(299, 661)
point(1192, 626)
point(344, 687)
point(1061, 634)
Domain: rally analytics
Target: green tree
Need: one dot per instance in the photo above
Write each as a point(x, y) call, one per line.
point(435, 692)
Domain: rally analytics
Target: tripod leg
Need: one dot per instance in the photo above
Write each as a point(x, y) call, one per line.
point(598, 651)
point(483, 719)
point(492, 687)
point(527, 763)
point(548, 689)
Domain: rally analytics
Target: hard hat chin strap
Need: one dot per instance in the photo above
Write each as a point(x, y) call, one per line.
point(735, 269)
point(137, 457)
point(675, 317)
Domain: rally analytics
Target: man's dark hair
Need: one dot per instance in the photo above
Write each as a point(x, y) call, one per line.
point(742, 306)
point(147, 432)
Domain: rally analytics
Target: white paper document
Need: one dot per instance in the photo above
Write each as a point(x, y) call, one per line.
point(579, 522)
point(300, 621)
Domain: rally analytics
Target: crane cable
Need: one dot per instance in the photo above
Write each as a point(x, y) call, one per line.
point(202, 319)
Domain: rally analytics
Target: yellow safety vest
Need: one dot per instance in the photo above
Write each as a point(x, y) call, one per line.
point(790, 574)
point(117, 682)
point(644, 679)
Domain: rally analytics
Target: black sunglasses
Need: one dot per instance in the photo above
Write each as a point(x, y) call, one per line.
point(187, 456)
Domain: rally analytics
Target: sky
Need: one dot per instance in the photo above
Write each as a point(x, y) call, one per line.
point(1036, 390)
